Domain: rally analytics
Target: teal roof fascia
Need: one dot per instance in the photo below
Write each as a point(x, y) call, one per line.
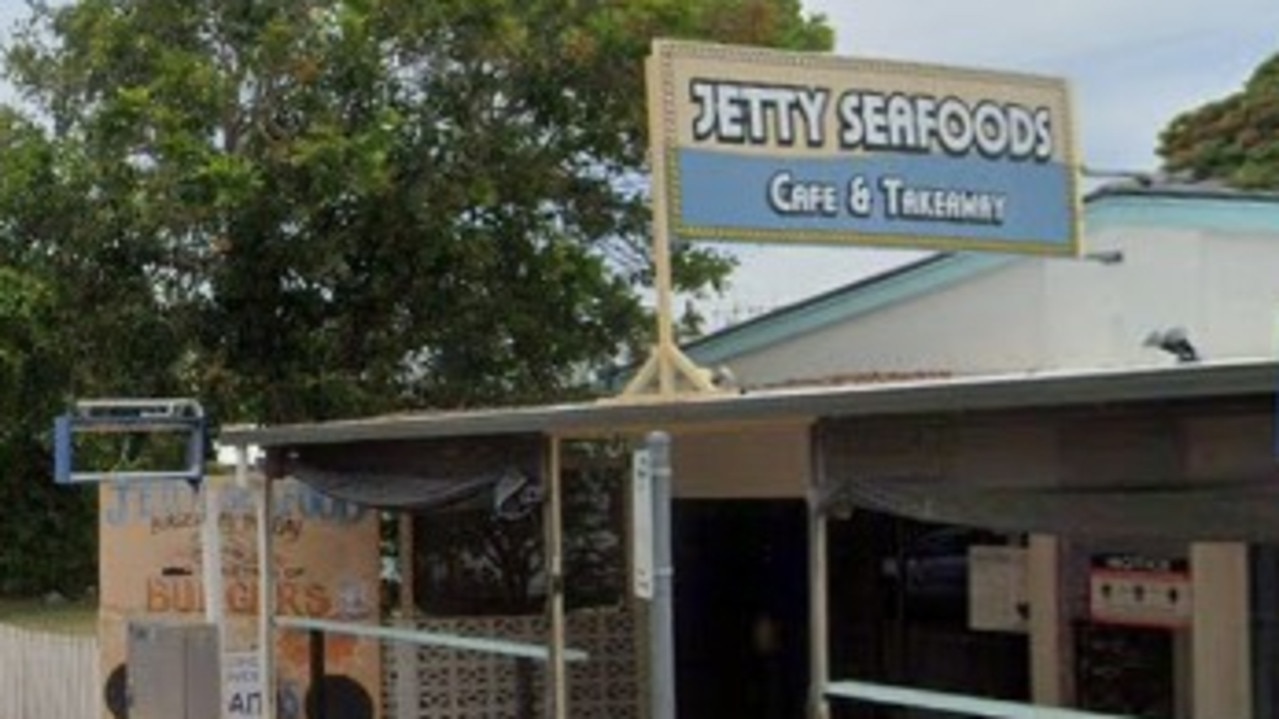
point(788, 323)
point(1237, 215)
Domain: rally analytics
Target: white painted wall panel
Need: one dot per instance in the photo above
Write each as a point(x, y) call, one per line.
point(986, 324)
point(1044, 314)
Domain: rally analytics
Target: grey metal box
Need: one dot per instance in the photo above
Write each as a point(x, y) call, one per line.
point(174, 671)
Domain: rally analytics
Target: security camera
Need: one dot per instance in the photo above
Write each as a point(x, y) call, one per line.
point(1174, 341)
point(723, 378)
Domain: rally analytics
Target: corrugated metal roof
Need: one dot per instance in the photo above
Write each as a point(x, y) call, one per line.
point(1042, 389)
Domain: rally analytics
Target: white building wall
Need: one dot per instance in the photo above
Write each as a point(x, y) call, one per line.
point(1099, 314)
point(985, 324)
point(1240, 304)
point(1054, 313)
point(1221, 289)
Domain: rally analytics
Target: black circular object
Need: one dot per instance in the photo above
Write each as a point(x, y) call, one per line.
point(344, 698)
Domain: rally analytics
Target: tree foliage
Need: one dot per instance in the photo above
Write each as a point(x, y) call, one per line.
point(32, 371)
point(1234, 140)
point(300, 209)
point(352, 206)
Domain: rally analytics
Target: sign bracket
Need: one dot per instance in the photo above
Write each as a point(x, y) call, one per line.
point(661, 374)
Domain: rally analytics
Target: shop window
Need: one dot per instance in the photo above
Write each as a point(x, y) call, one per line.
point(927, 570)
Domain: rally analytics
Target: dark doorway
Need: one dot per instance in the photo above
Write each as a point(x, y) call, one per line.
point(899, 615)
point(1125, 670)
point(741, 608)
point(1265, 629)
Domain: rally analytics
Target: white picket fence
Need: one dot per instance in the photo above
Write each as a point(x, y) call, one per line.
point(48, 676)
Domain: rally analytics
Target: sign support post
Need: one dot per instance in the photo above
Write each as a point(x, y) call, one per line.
point(756, 145)
point(667, 363)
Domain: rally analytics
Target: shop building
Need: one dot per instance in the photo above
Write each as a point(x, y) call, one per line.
point(967, 475)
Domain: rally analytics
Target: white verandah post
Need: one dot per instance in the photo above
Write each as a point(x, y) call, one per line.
point(266, 598)
point(557, 684)
point(819, 633)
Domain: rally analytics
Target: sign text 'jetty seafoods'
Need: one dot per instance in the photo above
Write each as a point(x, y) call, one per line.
point(767, 146)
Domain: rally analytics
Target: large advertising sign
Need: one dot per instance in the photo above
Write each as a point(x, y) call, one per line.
point(326, 566)
point(767, 146)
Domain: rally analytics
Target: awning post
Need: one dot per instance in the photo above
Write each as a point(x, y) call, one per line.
point(406, 655)
point(818, 625)
point(266, 599)
point(557, 689)
point(318, 670)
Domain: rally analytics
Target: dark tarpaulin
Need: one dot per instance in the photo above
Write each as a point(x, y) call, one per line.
point(504, 474)
point(1241, 510)
point(510, 492)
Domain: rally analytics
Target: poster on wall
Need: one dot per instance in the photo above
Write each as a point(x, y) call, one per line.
point(1135, 590)
point(768, 146)
point(326, 564)
point(997, 590)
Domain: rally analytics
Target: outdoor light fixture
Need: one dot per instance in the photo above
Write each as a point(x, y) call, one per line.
point(1175, 342)
point(1106, 257)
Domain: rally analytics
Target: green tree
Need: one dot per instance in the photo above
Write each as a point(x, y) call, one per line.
point(68, 327)
point(33, 370)
point(1234, 140)
point(311, 208)
point(297, 209)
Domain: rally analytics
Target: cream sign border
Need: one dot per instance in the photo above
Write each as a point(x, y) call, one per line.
point(666, 144)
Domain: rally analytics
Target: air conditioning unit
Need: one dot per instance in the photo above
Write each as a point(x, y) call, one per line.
point(174, 672)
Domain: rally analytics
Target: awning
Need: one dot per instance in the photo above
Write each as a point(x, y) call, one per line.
point(426, 476)
point(508, 491)
point(959, 394)
point(403, 460)
point(1244, 511)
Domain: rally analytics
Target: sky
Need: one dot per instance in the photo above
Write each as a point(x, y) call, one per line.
point(1132, 66)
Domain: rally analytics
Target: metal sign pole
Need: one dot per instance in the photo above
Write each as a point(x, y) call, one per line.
point(662, 612)
point(210, 494)
point(211, 552)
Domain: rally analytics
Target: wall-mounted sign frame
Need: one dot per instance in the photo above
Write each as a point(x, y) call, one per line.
point(1140, 591)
